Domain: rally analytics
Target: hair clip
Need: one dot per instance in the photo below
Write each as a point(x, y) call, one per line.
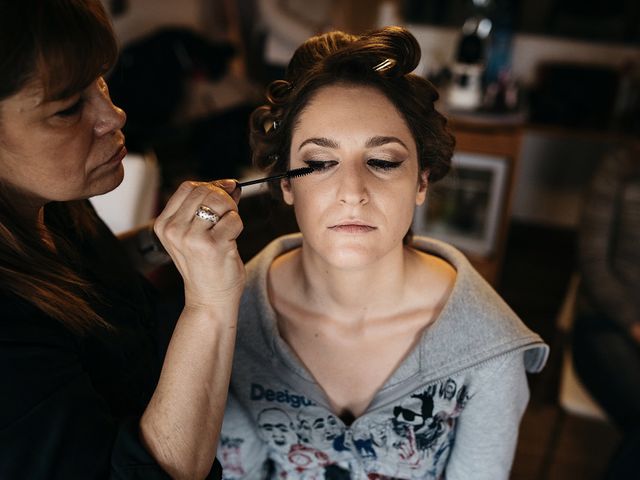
point(276, 124)
point(386, 64)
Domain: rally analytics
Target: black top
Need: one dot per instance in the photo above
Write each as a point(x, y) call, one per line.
point(69, 404)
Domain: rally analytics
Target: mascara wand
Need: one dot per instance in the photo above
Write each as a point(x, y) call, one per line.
point(296, 172)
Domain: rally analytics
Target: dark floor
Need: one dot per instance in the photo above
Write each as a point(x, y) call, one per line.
point(553, 445)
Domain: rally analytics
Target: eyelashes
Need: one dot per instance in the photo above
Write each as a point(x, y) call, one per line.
point(375, 163)
point(383, 164)
point(72, 110)
point(320, 165)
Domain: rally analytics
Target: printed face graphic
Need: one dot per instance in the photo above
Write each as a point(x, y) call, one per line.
point(449, 389)
point(319, 427)
point(379, 434)
point(409, 412)
point(358, 205)
point(276, 429)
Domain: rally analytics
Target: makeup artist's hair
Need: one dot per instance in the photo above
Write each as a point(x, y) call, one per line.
point(382, 59)
point(65, 44)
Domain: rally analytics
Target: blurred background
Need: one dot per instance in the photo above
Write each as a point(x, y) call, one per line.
point(536, 91)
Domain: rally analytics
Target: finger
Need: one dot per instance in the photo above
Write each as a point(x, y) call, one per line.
point(176, 200)
point(226, 184)
point(210, 196)
point(231, 187)
point(187, 188)
point(228, 227)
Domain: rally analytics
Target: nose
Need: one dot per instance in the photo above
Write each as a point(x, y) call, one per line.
point(109, 117)
point(353, 186)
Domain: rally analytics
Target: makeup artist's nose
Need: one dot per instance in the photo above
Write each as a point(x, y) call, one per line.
point(109, 117)
point(353, 188)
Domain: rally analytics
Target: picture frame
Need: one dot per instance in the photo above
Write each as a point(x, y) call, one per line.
point(464, 208)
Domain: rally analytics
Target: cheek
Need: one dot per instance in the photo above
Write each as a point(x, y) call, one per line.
point(287, 194)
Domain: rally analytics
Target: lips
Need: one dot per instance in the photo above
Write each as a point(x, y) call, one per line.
point(119, 155)
point(352, 226)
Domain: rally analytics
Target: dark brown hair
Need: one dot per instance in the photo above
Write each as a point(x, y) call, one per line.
point(65, 44)
point(382, 59)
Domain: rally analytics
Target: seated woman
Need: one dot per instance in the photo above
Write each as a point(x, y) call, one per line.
point(361, 352)
point(606, 340)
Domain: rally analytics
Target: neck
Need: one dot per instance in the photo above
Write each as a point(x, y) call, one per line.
point(28, 208)
point(359, 293)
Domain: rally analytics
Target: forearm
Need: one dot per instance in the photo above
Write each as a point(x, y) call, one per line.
point(181, 424)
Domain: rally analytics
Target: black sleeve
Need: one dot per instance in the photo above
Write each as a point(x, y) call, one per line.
point(53, 423)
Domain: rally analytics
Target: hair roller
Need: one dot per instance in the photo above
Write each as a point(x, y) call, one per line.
point(396, 51)
point(278, 91)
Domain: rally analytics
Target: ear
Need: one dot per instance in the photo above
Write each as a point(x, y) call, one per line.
point(287, 193)
point(423, 182)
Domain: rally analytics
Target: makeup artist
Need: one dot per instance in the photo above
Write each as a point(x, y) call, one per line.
point(363, 352)
point(82, 394)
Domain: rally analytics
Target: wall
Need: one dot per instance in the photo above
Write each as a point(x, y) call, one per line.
point(555, 166)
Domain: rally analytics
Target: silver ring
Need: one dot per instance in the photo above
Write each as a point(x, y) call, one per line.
point(205, 213)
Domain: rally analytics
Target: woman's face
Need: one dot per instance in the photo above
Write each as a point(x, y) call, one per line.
point(359, 206)
point(61, 150)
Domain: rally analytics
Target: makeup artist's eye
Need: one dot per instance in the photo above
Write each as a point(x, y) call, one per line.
point(383, 164)
point(320, 165)
point(72, 110)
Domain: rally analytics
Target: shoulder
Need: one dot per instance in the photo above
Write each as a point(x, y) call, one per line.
point(258, 267)
point(433, 277)
point(255, 307)
point(475, 323)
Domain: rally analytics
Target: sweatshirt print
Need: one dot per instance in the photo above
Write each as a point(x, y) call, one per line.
point(453, 405)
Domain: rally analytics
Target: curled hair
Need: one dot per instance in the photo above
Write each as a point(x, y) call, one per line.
point(382, 59)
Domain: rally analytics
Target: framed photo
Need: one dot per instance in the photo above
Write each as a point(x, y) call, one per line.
point(464, 208)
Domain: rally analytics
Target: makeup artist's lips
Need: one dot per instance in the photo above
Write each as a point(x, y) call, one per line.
point(352, 227)
point(117, 157)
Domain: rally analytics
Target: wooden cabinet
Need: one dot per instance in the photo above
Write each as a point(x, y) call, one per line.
point(499, 139)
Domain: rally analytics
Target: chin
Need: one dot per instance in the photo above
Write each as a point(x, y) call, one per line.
point(110, 182)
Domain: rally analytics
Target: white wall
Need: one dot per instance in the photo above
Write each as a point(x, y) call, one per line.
point(552, 175)
point(438, 46)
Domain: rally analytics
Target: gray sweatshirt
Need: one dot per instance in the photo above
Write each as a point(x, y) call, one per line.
point(452, 407)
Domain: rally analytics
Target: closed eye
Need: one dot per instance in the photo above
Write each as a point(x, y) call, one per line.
point(72, 110)
point(319, 165)
point(383, 164)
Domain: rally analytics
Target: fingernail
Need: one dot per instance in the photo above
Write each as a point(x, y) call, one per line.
point(227, 183)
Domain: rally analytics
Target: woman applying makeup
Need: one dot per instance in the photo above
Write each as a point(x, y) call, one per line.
point(363, 352)
point(83, 394)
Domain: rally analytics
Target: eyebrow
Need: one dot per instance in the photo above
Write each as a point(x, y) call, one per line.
point(321, 142)
point(379, 141)
point(372, 142)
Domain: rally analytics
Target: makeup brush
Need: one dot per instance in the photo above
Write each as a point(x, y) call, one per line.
point(296, 172)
